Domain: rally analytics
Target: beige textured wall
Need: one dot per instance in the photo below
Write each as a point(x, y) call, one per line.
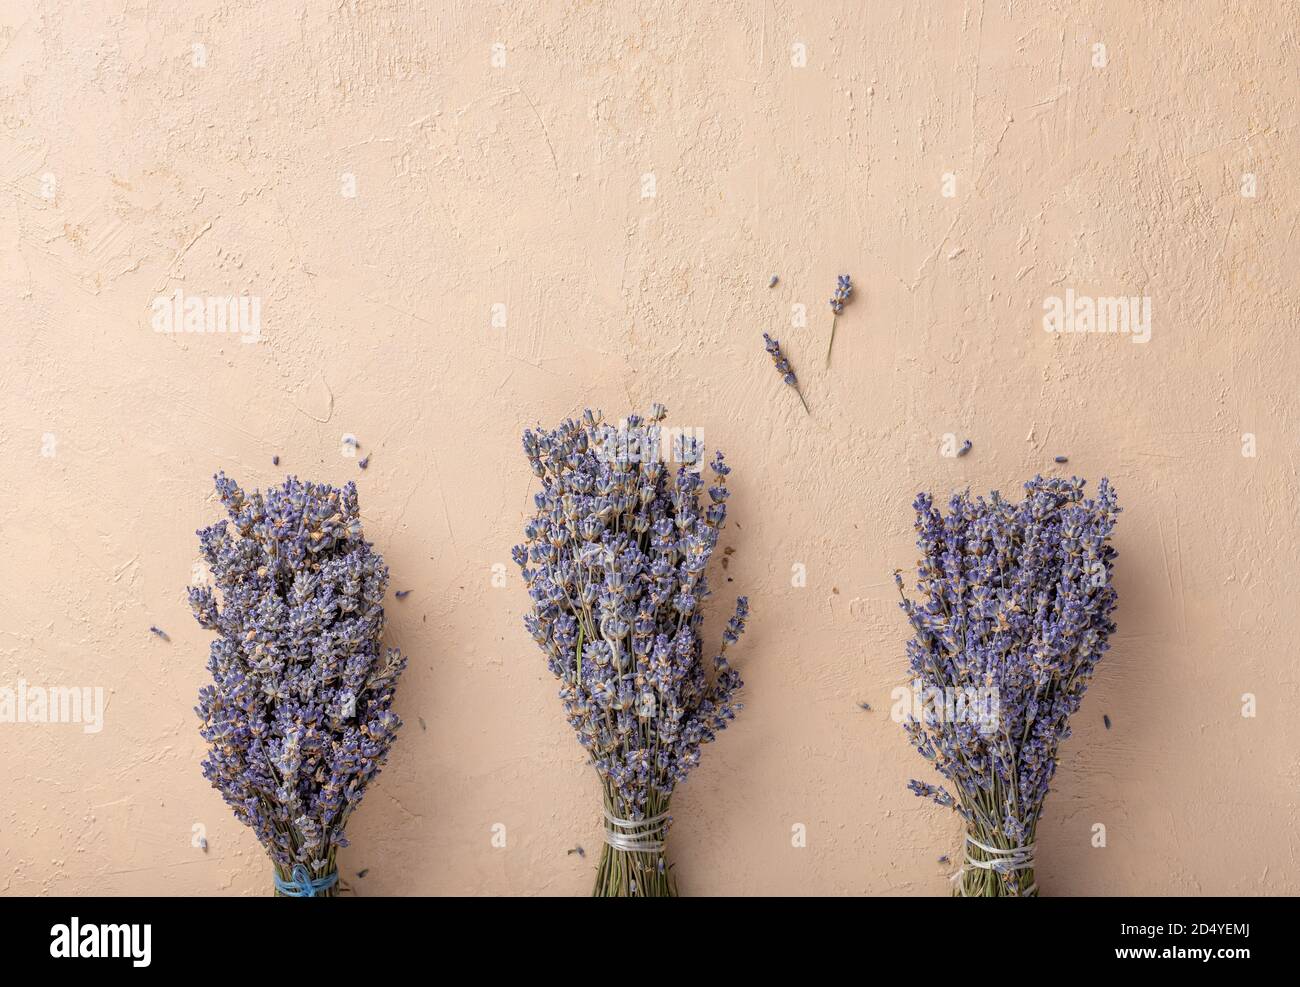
point(128, 171)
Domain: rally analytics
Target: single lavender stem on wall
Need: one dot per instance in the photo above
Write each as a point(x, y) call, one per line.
point(843, 291)
point(299, 716)
point(1013, 614)
point(615, 561)
point(783, 367)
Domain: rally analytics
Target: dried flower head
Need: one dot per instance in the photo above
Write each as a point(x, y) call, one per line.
point(843, 291)
point(782, 365)
point(299, 716)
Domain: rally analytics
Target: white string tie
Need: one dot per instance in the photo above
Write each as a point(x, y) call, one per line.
point(998, 859)
point(636, 835)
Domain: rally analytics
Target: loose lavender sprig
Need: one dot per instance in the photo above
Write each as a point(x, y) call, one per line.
point(1013, 598)
point(299, 716)
point(783, 367)
point(615, 562)
point(843, 291)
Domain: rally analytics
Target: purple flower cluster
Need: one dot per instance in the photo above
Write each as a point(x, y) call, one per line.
point(782, 365)
point(843, 291)
point(1015, 600)
point(299, 716)
point(614, 560)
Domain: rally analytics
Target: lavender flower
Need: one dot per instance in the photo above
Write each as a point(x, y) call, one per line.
point(783, 367)
point(615, 561)
point(1014, 604)
point(299, 716)
point(843, 289)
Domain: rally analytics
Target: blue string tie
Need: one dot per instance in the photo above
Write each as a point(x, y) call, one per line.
point(302, 885)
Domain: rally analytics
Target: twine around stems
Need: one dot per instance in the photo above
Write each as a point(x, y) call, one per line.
point(1000, 860)
point(302, 885)
point(636, 835)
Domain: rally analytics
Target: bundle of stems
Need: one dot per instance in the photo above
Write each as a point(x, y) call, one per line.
point(635, 873)
point(983, 876)
point(328, 866)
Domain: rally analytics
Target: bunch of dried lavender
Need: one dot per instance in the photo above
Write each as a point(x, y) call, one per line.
point(615, 562)
point(299, 716)
point(1013, 616)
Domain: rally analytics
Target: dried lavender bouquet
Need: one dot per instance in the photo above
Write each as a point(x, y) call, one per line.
point(615, 564)
point(1012, 617)
point(299, 715)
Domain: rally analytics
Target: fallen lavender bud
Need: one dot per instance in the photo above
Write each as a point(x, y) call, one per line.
point(402, 594)
point(275, 460)
point(1106, 719)
point(865, 706)
point(578, 850)
point(783, 367)
point(365, 462)
point(363, 872)
point(843, 291)
point(772, 283)
point(160, 633)
point(965, 448)
point(1061, 459)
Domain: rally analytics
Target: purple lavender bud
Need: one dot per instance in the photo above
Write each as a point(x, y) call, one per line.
point(782, 365)
point(843, 291)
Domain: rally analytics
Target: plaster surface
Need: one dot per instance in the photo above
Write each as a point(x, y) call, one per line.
point(463, 219)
